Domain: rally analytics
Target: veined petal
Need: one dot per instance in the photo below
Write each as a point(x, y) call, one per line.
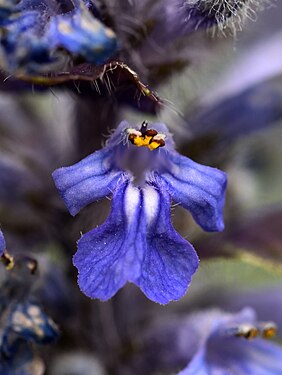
point(169, 261)
point(198, 188)
point(86, 181)
point(106, 257)
point(136, 243)
point(2, 243)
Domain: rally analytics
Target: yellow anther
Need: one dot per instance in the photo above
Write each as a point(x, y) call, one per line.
point(140, 141)
point(147, 141)
point(8, 260)
point(146, 137)
point(247, 331)
point(269, 330)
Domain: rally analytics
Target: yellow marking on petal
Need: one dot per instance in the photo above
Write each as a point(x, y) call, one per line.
point(64, 27)
point(39, 332)
point(98, 48)
point(90, 25)
point(109, 33)
point(33, 311)
point(20, 320)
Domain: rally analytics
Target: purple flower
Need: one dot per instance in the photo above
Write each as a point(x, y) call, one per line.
point(137, 243)
point(234, 344)
point(2, 243)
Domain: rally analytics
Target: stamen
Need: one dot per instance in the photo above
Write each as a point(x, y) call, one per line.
point(146, 137)
point(8, 260)
point(268, 330)
point(245, 330)
point(248, 331)
point(143, 128)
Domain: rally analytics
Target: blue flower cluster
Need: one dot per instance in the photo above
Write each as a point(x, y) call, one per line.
point(38, 36)
point(142, 172)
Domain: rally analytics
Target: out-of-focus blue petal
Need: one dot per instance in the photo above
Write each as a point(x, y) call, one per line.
point(25, 323)
point(34, 32)
point(20, 364)
point(198, 366)
point(137, 243)
point(238, 356)
point(2, 243)
point(198, 188)
point(223, 353)
point(31, 323)
point(87, 181)
point(21, 43)
point(241, 114)
point(6, 8)
point(82, 34)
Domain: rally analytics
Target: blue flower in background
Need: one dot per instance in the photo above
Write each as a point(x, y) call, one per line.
point(6, 9)
point(82, 34)
point(2, 243)
point(22, 320)
point(234, 344)
point(40, 36)
point(137, 243)
point(25, 323)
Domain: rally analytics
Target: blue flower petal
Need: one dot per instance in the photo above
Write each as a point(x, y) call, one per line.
point(106, 257)
point(86, 181)
point(80, 33)
point(22, 46)
point(136, 243)
point(198, 188)
point(2, 243)
point(169, 261)
point(6, 9)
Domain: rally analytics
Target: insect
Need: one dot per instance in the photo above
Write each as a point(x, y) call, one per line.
point(146, 137)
